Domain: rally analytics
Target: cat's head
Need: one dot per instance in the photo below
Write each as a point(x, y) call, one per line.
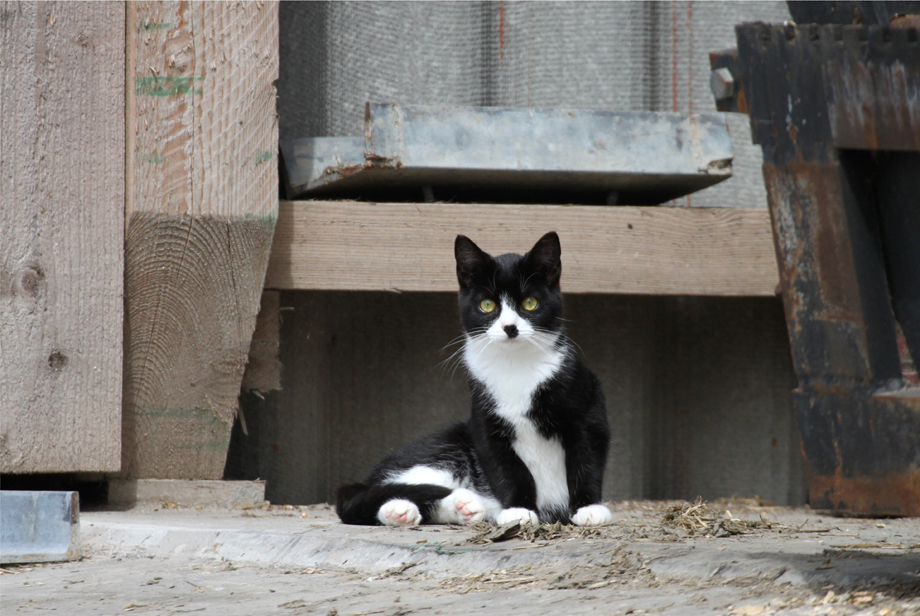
point(510, 298)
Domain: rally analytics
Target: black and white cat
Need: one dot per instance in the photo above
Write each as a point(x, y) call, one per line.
point(535, 445)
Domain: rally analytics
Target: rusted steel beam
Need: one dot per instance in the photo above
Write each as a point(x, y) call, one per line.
point(858, 446)
point(851, 12)
point(836, 110)
point(873, 89)
point(832, 274)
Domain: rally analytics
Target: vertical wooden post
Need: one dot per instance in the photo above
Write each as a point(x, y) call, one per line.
point(61, 235)
point(202, 207)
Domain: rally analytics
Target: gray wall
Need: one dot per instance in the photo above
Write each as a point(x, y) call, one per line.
point(698, 392)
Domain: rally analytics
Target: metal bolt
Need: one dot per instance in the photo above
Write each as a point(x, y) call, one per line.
point(722, 83)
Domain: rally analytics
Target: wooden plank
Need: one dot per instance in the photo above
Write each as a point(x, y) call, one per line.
point(186, 493)
point(202, 207)
point(335, 245)
point(61, 235)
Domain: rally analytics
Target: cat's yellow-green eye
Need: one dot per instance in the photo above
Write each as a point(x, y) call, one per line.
point(529, 303)
point(487, 305)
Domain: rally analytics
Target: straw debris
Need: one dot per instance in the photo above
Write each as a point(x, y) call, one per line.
point(490, 533)
point(698, 518)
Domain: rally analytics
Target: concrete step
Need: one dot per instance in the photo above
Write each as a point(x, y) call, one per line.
point(800, 547)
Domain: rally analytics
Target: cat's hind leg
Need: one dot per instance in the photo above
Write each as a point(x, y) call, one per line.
point(399, 512)
point(389, 504)
point(592, 515)
point(461, 506)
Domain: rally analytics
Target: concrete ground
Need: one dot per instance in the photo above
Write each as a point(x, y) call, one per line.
point(735, 558)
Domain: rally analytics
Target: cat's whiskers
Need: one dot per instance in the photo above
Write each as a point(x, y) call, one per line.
point(488, 343)
point(566, 340)
point(536, 339)
point(446, 364)
point(544, 341)
point(456, 358)
point(539, 346)
point(462, 337)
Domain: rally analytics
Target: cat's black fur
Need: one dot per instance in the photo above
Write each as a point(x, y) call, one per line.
point(479, 453)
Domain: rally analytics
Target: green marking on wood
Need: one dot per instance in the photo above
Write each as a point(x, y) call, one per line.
point(149, 25)
point(269, 220)
point(199, 415)
point(165, 86)
point(264, 156)
point(153, 159)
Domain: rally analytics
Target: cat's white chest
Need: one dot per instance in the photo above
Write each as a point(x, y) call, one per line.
point(512, 376)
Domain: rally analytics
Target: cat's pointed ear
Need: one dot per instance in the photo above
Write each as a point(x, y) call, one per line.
point(470, 259)
point(545, 256)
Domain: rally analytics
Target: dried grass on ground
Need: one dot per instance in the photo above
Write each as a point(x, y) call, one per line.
point(699, 518)
point(693, 519)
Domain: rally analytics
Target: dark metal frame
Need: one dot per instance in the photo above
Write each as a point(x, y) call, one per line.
point(836, 111)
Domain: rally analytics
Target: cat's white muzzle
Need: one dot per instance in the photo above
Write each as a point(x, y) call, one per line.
point(510, 327)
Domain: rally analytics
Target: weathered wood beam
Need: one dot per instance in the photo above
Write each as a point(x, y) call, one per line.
point(263, 368)
point(336, 245)
point(62, 195)
point(202, 207)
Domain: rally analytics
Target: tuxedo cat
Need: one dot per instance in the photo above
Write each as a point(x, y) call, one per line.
point(535, 445)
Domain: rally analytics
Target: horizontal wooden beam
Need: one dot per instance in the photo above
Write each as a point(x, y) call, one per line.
point(342, 245)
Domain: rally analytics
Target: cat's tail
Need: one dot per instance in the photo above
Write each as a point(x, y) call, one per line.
point(358, 503)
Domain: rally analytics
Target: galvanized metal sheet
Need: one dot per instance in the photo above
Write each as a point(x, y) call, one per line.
point(39, 527)
point(646, 157)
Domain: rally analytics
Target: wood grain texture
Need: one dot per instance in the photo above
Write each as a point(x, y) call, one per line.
point(202, 175)
point(61, 235)
point(337, 245)
point(263, 369)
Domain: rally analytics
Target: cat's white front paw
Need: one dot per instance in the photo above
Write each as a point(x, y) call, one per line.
point(517, 514)
point(399, 512)
point(461, 506)
point(592, 515)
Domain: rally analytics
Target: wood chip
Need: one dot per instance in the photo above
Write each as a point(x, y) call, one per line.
point(529, 578)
